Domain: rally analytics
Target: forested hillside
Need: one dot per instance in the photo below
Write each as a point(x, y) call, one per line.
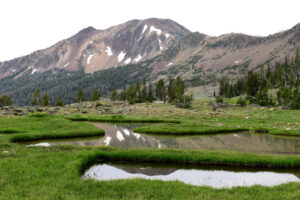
point(59, 83)
point(283, 76)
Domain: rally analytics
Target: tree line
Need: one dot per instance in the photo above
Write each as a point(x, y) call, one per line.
point(64, 84)
point(283, 76)
point(134, 93)
point(173, 93)
point(44, 101)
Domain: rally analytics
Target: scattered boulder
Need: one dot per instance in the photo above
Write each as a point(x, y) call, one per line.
point(17, 110)
point(215, 108)
point(222, 104)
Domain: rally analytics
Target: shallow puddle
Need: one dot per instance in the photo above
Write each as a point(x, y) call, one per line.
point(122, 135)
point(216, 178)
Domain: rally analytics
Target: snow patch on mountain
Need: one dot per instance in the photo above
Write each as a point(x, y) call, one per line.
point(89, 59)
point(169, 64)
point(142, 33)
point(153, 29)
point(138, 58)
point(160, 46)
point(121, 56)
point(127, 61)
point(66, 65)
point(144, 29)
point(33, 71)
point(167, 35)
point(108, 51)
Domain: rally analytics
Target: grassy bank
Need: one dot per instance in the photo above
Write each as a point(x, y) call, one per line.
point(176, 130)
point(54, 172)
point(119, 119)
point(49, 127)
point(222, 158)
point(56, 135)
point(254, 118)
point(200, 129)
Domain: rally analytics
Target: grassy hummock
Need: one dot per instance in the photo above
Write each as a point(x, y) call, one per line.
point(54, 172)
point(56, 135)
point(46, 127)
point(182, 157)
point(174, 130)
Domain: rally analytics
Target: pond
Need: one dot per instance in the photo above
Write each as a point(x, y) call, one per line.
point(216, 178)
point(122, 135)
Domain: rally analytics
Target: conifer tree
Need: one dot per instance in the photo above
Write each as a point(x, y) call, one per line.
point(123, 93)
point(179, 87)
point(95, 96)
point(59, 102)
point(171, 89)
point(5, 100)
point(45, 100)
point(114, 95)
point(150, 97)
point(138, 91)
point(252, 83)
point(160, 90)
point(80, 96)
point(36, 97)
point(144, 91)
point(131, 94)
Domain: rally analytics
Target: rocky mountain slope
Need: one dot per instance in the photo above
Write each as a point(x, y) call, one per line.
point(94, 50)
point(198, 55)
point(124, 54)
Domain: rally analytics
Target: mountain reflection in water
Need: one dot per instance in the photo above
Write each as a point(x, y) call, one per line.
point(198, 177)
point(122, 135)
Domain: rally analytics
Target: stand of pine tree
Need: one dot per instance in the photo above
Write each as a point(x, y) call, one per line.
point(284, 76)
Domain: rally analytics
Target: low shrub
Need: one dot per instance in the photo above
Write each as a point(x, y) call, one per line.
point(219, 99)
point(242, 101)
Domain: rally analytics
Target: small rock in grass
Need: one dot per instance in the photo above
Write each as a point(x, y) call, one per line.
point(5, 152)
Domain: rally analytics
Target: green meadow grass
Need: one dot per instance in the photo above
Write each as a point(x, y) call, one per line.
point(223, 158)
point(176, 130)
point(47, 127)
point(54, 172)
point(10, 131)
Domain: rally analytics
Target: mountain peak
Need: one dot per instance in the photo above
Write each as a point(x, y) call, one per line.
point(297, 26)
point(139, 40)
point(88, 29)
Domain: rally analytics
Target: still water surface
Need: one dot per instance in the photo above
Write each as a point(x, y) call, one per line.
point(216, 178)
point(122, 135)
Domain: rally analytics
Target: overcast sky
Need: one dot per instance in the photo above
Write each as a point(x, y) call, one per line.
point(29, 25)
